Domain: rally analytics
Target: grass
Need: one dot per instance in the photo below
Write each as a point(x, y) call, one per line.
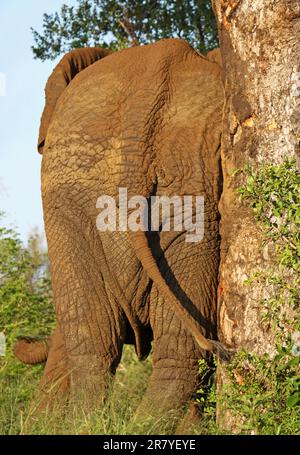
point(20, 382)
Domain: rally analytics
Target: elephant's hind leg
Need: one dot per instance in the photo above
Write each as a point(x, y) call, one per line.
point(190, 270)
point(175, 371)
point(55, 383)
point(56, 378)
point(92, 326)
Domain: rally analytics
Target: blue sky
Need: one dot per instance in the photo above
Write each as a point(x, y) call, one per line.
point(20, 111)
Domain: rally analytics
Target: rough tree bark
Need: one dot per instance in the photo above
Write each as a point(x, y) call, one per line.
point(260, 49)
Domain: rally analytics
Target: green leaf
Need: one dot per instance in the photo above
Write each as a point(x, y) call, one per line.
point(293, 400)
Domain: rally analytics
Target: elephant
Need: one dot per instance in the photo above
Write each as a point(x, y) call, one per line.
point(149, 119)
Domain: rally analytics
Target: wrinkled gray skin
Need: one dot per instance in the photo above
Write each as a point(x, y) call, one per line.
point(148, 119)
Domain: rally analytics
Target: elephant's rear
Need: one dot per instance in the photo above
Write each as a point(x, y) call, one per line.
point(129, 118)
point(147, 119)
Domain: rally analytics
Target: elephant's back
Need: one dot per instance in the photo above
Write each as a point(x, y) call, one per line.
point(107, 122)
point(100, 93)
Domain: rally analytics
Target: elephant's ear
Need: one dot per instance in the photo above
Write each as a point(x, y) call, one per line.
point(215, 56)
point(70, 65)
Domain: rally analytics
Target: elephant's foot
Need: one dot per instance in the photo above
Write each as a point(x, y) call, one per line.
point(173, 381)
point(163, 406)
point(53, 394)
point(89, 389)
point(191, 418)
point(56, 377)
point(166, 415)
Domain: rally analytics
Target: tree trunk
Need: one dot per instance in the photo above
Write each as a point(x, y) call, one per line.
point(260, 49)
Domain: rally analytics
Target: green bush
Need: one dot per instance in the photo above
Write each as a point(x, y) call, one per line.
point(264, 391)
point(25, 309)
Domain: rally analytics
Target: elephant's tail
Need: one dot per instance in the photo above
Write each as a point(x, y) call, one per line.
point(31, 350)
point(144, 254)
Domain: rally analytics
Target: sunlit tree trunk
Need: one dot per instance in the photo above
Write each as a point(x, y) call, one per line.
point(260, 47)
